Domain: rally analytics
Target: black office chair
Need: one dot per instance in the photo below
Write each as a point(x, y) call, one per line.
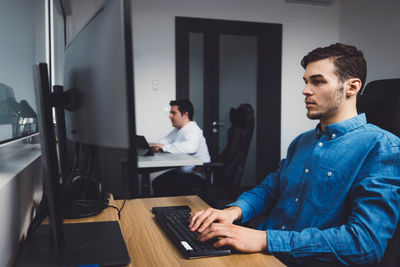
point(380, 101)
point(224, 174)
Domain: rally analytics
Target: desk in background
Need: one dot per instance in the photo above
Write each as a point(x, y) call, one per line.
point(162, 161)
point(148, 245)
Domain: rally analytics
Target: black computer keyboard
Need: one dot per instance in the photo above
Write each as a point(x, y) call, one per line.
point(175, 224)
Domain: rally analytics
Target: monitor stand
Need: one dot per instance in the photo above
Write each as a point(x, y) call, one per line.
point(97, 243)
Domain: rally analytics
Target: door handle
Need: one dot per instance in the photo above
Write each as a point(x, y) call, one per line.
point(217, 124)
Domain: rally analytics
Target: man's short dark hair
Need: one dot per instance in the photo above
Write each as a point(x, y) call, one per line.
point(348, 60)
point(184, 105)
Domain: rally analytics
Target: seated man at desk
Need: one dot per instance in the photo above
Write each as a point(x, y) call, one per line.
point(186, 137)
point(335, 198)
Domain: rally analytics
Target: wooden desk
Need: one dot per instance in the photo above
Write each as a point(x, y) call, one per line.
point(148, 245)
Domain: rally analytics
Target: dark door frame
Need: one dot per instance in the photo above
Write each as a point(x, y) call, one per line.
point(269, 65)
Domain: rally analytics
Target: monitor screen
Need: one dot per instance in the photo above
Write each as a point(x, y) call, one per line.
point(98, 69)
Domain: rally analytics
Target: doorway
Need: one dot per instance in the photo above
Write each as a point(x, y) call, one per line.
point(221, 64)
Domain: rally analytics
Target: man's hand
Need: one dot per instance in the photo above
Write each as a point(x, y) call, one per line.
point(241, 238)
point(156, 147)
point(206, 217)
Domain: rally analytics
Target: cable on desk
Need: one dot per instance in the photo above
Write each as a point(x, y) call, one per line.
point(118, 209)
point(123, 205)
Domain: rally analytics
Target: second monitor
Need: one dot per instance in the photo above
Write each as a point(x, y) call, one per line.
point(98, 68)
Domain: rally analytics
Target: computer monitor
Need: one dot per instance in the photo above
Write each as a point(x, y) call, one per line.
point(98, 73)
point(85, 100)
point(55, 243)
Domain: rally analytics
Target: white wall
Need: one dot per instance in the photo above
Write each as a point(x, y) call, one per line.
point(304, 27)
point(374, 27)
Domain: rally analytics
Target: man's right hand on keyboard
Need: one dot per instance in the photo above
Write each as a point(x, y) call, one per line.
point(202, 219)
point(212, 223)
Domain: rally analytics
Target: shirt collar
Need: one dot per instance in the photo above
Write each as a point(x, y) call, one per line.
point(187, 124)
point(337, 129)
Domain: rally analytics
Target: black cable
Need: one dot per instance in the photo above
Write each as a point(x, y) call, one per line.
point(123, 204)
point(91, 174)
point(36, 221)
point(86, 158)
point(74, 168)
point(118, 209)
point(41, 214)
point(89, 166)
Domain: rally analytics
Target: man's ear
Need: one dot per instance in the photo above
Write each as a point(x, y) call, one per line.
point(186, 114)
point(354, 86)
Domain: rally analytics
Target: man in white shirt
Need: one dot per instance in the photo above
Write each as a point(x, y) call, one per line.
point(187, 138)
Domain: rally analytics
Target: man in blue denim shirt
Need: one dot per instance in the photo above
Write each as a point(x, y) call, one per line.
point(335, 198)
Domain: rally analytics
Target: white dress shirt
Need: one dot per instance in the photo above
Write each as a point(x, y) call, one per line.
point(190, 140)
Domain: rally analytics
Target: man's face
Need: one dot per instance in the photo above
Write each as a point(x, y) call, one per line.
point(177, 118)
point(324, 92)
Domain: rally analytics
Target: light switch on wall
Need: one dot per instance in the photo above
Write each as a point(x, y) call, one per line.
point(154, 83)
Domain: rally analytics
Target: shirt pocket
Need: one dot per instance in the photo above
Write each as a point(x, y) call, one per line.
point(327, 189)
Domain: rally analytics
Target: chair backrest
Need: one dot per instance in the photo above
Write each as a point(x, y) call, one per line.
point(235, 153)
point(380, 101)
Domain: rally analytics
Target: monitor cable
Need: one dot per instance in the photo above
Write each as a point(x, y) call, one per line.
point(118, 209)
point(84, 193)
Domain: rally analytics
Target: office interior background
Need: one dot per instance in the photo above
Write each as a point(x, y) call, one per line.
point(373, 26)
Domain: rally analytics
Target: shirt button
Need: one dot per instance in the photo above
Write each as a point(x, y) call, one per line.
point(329, 174)
point(306, 170)
point(283, 227)
point(320, 144)
point(297, 199)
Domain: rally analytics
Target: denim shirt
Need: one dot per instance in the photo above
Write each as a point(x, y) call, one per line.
point(334, 198)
